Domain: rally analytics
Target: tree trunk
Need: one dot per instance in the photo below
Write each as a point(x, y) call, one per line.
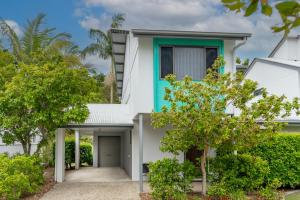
point(26, 148)
point(112, 93)
point(203, 170)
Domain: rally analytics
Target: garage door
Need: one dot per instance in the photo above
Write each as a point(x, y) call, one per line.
point(109, 151)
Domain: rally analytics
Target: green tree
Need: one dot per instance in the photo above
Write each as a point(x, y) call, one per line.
point(196, 117)
point(41, 97)
point(289, 11)
point(34, 39)
point(103, 48)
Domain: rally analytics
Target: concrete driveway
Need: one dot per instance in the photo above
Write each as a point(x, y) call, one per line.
point(93, 191)
point(90, 183)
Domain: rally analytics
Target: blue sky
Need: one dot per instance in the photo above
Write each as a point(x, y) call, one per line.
point(77, 16)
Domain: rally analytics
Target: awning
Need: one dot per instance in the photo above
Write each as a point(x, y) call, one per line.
point(118, 49)
point(106, 115)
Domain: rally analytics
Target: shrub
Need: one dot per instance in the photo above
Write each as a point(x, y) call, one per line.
point(19, 175)
point(170, 179)
point(86, 155)
point(241, 172)
point(283, 155)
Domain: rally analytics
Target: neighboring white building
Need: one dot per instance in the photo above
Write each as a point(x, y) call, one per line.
point(17, 147)
point(279, 73)
point(122, 133)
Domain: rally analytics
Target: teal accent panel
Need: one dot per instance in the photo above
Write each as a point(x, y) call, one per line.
point(160, 84)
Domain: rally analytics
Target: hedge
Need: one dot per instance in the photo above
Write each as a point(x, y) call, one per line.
point(282, 153)
point(86, 155)
point(283, 156)
point(19, 175)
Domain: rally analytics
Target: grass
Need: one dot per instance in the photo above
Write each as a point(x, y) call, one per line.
point(294, 196)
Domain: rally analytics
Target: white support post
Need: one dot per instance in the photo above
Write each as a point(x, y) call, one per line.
point(141, 143)
point(95, 150)
point(77, 149)
point(60, 155)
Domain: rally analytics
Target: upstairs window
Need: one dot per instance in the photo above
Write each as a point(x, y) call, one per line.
point(182, 61)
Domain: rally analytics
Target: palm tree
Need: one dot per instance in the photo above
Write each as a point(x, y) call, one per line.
point(34, 39)
point(103, 48)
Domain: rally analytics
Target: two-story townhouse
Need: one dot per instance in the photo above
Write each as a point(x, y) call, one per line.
point(122, 133)
point(279, 73)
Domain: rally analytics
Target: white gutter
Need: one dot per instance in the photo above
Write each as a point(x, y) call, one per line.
point(234, 64)
point(233, 53)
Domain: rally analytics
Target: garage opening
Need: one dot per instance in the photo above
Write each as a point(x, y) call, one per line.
point(109, 154)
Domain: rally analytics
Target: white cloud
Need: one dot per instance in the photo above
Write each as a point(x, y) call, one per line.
point(201, 15)
point(91, 21)
point(15, 26)
point(98, 64)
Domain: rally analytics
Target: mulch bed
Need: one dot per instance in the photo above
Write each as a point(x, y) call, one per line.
point(147, 196)
point(48, 185)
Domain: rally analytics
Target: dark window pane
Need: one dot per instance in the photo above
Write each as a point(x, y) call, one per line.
point(211, 55)
point(166, 61)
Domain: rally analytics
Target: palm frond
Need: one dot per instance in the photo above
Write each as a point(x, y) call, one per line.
point(32, 38)
point(13, 38)
point(60, 36)
point(117, 20)
point(98, 35)
point(96, 49)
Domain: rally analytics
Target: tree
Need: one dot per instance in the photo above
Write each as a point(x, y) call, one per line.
point(289, 11)
point(34, 39)
point(196, 117)
point(42, 97)
point(103, 48)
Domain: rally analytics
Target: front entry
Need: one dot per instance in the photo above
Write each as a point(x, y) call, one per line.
point(109, 154)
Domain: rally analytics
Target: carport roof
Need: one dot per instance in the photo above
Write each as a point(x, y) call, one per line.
point(106, 115)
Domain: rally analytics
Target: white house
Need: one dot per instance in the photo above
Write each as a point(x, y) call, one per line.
point(279, 73)
point(122, 133)
point(17, 147)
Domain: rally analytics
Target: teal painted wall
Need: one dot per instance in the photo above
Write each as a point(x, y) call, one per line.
point(160, 84)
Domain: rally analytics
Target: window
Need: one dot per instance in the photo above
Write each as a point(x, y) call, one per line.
point(182, 61)
point(166, 54)
point(211, 56)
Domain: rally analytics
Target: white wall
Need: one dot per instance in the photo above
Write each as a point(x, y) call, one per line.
point(277, 79)
point(290, 50)
point(17, 147)
point(152, 152)
point(228, 55)
point(127, 152)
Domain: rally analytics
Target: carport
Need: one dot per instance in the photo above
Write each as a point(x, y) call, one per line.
point(110, 126)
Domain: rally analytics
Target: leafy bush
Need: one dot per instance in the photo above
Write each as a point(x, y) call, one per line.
point(170, 179)
point(19, 175)
point(283, 155)
point(241, 172)
point(86, 155)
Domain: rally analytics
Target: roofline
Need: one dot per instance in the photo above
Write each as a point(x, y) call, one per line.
point(189, 34)
point(97, 125)
point(280, 43)
point(266, 61)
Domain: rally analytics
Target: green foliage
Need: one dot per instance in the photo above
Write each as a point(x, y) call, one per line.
point(170, 179)
point(42, 97)
point(195, 114)
point(241, 172)
point(270, 192)
point(86, 155)
point(289, 11)
point(283, 155)
point(19, 175)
